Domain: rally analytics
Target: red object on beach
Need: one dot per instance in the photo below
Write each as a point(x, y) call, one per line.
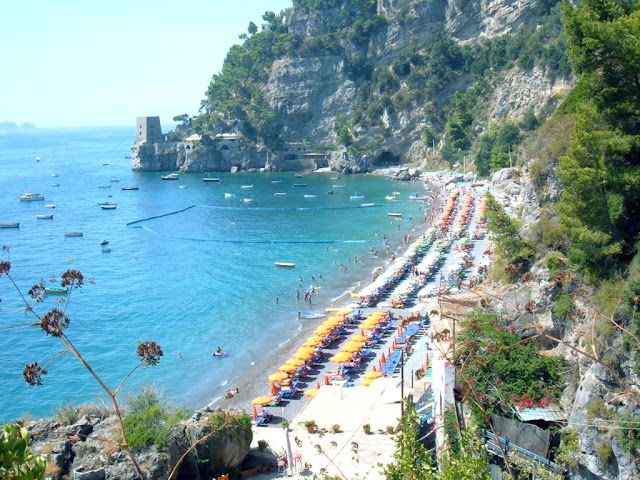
point(361, 332)
point(255, 412)
point(274, 389)
point(326, 380)
point(383, 359)
point(374, 369)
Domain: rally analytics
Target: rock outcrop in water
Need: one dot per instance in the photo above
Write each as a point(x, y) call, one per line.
point(352, 80)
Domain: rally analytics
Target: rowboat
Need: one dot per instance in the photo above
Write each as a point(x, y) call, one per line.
point(246, 187)
point(394, 214)
point(45, 216)
point(56, 291)
point(129, 187)
point(367, 205)
point(284, 264)
point(109, 206)
point(211, 179)
point(10, 225)
point(171, 176)
point(310, 196)
point(73, 234)
point(299, 184)
point(31, 197)
point(279, 194)
point(356, 197)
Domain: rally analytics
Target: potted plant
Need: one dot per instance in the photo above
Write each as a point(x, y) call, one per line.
point(310, 425)
point(367, 429)
point(335, 428)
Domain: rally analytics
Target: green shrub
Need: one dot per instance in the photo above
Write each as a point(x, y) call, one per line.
point(563, 307)
point(556, 262)
point(628, 428)
point(149, 422)
point(67, 414)
point(597, 408)
point(16, 460)
point(568, 453)
point(604, 453)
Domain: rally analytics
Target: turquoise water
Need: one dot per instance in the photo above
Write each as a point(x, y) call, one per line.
point(191, 281)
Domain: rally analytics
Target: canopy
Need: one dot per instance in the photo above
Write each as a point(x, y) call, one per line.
point(278, 376)
point(260, 401)
point(341, 357)
point(287, 368)
point(311, 392)
point(296, 362)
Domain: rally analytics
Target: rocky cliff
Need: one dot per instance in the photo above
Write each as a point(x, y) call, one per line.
point(373, 84)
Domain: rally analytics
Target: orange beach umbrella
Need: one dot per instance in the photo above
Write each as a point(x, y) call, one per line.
point(287, 368)
point(296, 362)
point(341, 357)
point(278, 376)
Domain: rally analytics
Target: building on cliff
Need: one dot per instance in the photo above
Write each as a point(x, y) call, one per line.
point(148, 130)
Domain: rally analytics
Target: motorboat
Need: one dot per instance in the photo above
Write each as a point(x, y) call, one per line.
point(310, 196)
point(390, 197)
point(276, 181)
point(55, 184)
point(73, 234)
point(356, 197)
point(395, 215)
point(284, 264)
point(31, 197)
point(10, 225)
point(171, 176)
point(279, 194)
point(51, 205)
point(55, 174)
point(367, 205)
point(299, 184)
point(114, 180)
point(247, 200)
point(109, 206)
point(130, 187)
point(229, 195)
point(246, 187)
point(339, 186)
point(418, 197)
point(45, 216)
point(211, 179)
point(56, 291)
point(104, 242)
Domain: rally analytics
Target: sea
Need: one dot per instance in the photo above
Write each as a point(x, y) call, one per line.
point(186, 265)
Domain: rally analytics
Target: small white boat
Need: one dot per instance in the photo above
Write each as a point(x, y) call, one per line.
point(279, 194)
point(310, 196)
point(418, 197)
point(51, 205)
point(55, 184)
point(356, 197)
point(55, 174)
point(45, 216)
point(182, 187)
point(395, 215)
point(276, 181)
point(367, 205)
point(109, 206)
point(31, 197)
point(339, 186)
point(171, 176)
point(246, 187)
point(211, 179)
point(73, 234)
point(129, 187)
point(247, 200)
point(390, 197)
point(284, 264)
point(229, 195)
point(10, 225)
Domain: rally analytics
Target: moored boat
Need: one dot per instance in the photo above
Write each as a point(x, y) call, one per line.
point(284, 264)
point(56, 291)
point(246, 187)
point(106, 186)
point(104, 242)
point(339, 186)
point(10, 225)
point(73, 234)
point(396, 215)
point(51, 205)
point(276, 181)
point(45, 216)
point(130, 187)
point(247, 200)
point(310, 196)
point(279, 194)
point(211, 179)
point(114, 180)
point(171, 176)
point(390, 197)
point(367, 204)
point(418, 197)
point(229, 195)
point(356, 197)
point(299, 184)
point(109, 206)
point(31, 197)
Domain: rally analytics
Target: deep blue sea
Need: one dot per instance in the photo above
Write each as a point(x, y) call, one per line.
point(190, 281)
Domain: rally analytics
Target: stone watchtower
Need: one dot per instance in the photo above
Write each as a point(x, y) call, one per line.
point(148, 130)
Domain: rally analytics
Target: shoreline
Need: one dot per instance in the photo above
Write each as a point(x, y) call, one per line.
point(256, 383)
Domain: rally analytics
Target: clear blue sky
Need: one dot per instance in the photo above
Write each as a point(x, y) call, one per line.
point(87, 62)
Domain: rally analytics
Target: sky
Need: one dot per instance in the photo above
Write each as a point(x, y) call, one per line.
point(70, 63)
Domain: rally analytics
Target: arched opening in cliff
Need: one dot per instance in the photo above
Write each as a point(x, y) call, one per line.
point(386, 159)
